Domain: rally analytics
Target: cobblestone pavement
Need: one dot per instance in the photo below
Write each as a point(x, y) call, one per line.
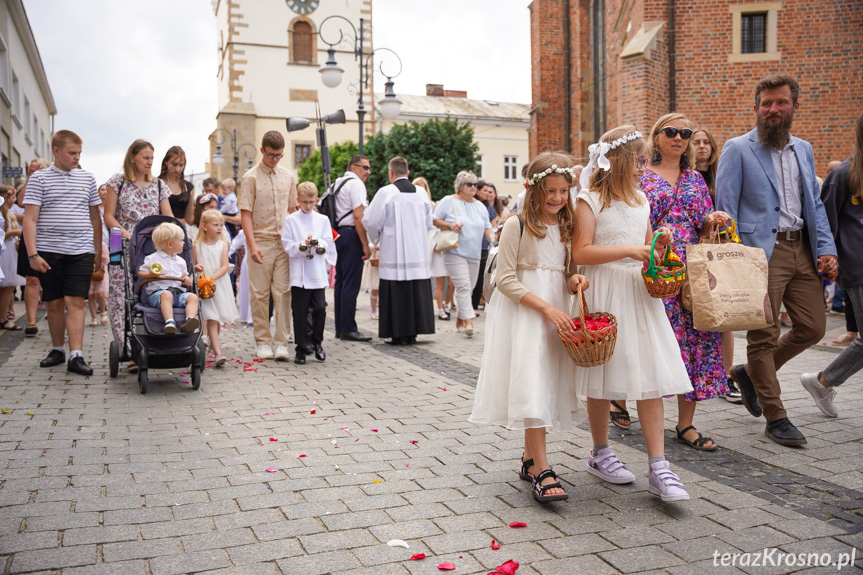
point(314, 469)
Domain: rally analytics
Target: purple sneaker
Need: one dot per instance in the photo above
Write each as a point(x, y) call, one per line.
point(607, 466)
point(665, 484)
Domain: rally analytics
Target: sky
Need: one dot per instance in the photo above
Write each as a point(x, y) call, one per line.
point(132, 69)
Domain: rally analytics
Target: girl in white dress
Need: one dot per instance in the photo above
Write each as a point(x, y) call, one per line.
point(245, 306)
point(526, 379)
point(614, 239)
point(211, 258)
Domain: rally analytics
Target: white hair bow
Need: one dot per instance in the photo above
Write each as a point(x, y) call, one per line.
point(597, 160)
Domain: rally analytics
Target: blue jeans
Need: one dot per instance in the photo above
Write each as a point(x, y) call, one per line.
point(849, 361)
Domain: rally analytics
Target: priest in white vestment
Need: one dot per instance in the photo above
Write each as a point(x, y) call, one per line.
point(400, 215)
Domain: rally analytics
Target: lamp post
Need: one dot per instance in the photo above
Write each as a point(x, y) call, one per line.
point(219, 157)
point(331, 73)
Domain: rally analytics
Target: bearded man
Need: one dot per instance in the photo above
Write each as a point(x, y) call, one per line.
point(766, 182)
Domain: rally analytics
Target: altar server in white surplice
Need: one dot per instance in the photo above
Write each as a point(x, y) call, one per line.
point(308, 240)
point(401, 216)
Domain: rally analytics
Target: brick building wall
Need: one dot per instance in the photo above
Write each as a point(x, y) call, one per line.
point(820, 43)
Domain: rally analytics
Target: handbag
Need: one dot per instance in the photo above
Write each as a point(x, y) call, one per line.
point(98, 274)
point(711, 234)
point(728, 284)
point(448, 239)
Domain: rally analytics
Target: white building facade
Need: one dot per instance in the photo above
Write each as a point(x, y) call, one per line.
point(270, 54)
point(27, 107)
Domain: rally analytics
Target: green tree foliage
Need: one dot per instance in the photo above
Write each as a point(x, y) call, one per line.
point(340, 154)
point(436, 150)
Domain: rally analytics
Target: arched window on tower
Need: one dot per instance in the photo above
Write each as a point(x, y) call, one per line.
point(302, 43)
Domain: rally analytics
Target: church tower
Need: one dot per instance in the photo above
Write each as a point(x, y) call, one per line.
point(270, 52)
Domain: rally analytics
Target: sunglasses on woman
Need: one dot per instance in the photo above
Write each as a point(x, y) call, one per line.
point(685, 133)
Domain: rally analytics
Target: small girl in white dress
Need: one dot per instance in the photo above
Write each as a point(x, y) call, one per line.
point(614, 239)
point(526, 379)
point(211, 258)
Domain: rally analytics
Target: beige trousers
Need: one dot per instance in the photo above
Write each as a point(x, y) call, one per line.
point(272, 275)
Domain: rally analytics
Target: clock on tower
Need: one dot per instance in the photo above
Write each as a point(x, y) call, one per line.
point(303, 7)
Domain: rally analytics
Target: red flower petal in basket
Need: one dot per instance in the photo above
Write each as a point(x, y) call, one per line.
point(508, 568)
point(446, 567)
point(495, 545)
point(515, 524)
point(418, 556)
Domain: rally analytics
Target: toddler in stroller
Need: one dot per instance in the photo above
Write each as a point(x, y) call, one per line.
point(163, 292)
point(157, 335)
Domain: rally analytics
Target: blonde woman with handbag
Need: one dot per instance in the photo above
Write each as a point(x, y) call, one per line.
point(463, 214)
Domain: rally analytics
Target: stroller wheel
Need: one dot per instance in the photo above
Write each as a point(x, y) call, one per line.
point(142, 380)
point(196, 377)
point(114, 358)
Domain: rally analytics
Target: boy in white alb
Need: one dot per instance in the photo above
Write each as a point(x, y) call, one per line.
point(165, 293)
point(308, 240)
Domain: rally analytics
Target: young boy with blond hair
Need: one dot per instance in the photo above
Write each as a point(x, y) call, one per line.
point(166, 262)
point(308, 240)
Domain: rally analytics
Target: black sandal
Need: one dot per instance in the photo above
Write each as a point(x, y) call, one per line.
point(617, 417)
point(698, 443)
point(539, 490)
point(525, 465)
point(15, 327)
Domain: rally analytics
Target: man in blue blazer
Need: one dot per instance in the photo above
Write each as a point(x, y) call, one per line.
point(766, 182)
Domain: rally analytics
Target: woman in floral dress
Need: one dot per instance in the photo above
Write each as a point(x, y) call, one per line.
point(132, 196)
point(679, 200)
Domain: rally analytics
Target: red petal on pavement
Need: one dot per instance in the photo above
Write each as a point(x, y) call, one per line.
point(375, 430)
point(418, 556)
point(508, 568)
point(414, 441)
point(273, 439)
point(302, 455)
point(443, 389)
point(495, 545)
point(313, 411)
point(446, 567)
point(517, 524)
point(271, 469)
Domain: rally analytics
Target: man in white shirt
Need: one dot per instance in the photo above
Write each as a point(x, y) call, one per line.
point(352, 246)
point(401, 216)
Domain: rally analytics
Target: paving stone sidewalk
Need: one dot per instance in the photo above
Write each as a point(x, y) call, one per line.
point(313, 469)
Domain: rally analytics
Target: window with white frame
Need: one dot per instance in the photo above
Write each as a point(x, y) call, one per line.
point(36, 135)
point(16, 97)
point(480, 168)
point(4, 70)
point(26, 117)
point(510, 168)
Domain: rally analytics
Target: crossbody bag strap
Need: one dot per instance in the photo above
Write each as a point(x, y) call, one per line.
point(454, 211)
point(335, 194)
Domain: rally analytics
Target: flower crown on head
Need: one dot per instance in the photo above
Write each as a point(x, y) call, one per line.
point(597, 153)
point(554, 169)
point(206, 198)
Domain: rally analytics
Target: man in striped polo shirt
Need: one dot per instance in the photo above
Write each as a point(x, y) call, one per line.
point(63, 234)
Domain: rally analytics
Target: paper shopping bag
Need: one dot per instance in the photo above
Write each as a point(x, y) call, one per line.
point(728, 284)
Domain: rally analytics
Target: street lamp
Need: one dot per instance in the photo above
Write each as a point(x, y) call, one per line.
point(219, 157)
point(337, 117)
point(331, 73)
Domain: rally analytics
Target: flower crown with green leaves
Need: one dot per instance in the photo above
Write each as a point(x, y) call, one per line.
point(554, 169)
